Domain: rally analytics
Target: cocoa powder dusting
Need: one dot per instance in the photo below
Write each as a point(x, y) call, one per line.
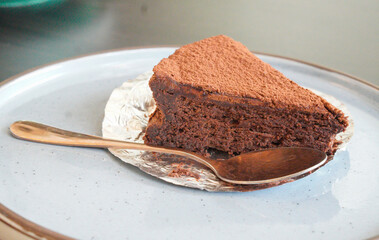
point(224, 66)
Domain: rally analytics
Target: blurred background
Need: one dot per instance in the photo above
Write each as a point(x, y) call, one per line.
point(339, 34)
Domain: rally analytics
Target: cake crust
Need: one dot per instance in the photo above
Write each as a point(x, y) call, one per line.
point(222, 66)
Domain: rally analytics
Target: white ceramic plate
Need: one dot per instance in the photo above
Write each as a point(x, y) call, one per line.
point(89, 194)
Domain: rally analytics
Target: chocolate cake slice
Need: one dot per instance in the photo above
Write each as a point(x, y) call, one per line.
point(215, 94)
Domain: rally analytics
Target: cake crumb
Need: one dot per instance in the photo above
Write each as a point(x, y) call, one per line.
point(181, 169)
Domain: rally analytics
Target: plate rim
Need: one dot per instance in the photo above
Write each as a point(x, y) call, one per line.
point(14, 77)
point(32, 230)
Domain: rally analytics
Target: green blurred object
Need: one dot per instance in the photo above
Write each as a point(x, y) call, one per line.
point(22, 3)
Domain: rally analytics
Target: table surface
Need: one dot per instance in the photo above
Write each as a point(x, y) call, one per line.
point(342, 35)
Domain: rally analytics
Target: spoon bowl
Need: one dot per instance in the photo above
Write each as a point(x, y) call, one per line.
point(259, 167)
point(272, 165)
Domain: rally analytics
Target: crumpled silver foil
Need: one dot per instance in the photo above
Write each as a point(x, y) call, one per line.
point(126, 116)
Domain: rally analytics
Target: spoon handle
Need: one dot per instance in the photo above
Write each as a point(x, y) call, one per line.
point(38, 132)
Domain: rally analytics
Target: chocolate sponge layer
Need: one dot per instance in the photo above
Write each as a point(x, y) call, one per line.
point(197, 123)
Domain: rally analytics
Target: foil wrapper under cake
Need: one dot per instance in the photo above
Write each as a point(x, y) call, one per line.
point(126, 116)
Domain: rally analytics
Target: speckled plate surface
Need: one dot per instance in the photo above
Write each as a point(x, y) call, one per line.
point(90, 194)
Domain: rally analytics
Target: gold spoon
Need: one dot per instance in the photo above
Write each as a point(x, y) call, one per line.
point(260, 167)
